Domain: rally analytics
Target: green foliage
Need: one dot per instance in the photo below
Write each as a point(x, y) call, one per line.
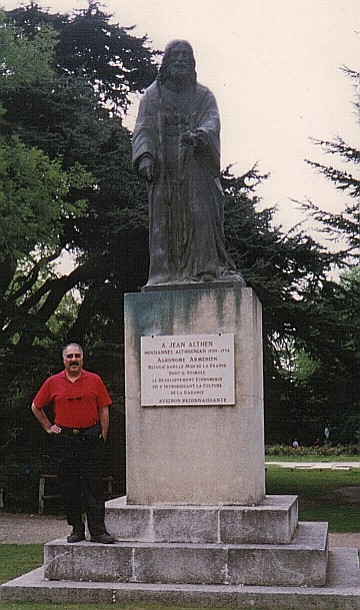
point(326, 369)
point(320, 382)
point(23, 60)
point(304, 366)
point(316, 452)
point(63, 148)
point(38, 195)
point(343, 225)
point(66, 118)
point(32, 199)
point(63, 317)
point(113, 61)
point(34, 207)
point(288, 273)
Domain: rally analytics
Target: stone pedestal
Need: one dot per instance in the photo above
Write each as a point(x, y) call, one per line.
point(196, 528)
point(273, 521)
point(200, 455)
point(199, 545)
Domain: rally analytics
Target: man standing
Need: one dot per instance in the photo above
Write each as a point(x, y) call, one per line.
point(176, 148)
point(81, 421)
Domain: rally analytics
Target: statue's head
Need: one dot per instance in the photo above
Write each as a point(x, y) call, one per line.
point(178, 63)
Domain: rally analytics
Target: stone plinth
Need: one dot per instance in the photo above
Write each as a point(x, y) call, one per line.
point(273, 521)
point(214, 545)
point(301, 563)
point(196, 455)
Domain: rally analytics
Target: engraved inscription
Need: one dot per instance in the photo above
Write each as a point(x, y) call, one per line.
point(187, 370)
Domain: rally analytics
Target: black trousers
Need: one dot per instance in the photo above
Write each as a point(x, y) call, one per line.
point(79, 462)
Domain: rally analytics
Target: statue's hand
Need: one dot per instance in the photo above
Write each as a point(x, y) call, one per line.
point(200, 140)
point(187, 138)
point(146, 167)
point(194, 138)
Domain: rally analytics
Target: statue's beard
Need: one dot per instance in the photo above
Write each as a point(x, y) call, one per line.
point(180, 75)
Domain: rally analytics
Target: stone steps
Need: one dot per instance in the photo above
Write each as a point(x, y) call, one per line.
point(273, 521)
point(342, 591)
point(302, 562)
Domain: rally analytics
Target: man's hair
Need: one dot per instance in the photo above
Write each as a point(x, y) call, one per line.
point(164, 71)
point(75, 345)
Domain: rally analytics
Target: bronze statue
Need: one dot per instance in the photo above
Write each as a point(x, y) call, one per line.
point(176, 148)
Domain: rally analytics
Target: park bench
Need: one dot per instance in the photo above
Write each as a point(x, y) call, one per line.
point(44, 478)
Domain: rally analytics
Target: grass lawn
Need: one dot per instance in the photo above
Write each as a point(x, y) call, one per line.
point(17, 559)
point(319, 496)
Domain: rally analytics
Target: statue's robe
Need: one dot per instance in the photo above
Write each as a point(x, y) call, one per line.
point(186, 201)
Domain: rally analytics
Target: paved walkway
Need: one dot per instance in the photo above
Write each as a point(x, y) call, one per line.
point(315, 465)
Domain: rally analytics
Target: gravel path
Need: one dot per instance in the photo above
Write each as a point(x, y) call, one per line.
point(29, 529)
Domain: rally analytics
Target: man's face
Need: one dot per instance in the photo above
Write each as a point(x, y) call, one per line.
point(73, 360)
point(180, 60)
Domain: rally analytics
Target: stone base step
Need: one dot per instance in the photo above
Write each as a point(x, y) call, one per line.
point(303, 562)
point(342, 591)
point(273, 521)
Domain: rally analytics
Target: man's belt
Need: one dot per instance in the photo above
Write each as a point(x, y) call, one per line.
point(91, 432)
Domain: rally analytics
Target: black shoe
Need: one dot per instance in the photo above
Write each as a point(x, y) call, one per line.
point(103, 538)
point(75, 537)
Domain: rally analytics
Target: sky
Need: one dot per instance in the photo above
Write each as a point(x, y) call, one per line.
point(274, 68)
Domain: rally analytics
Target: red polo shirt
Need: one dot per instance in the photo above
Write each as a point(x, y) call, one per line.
point(75, 404)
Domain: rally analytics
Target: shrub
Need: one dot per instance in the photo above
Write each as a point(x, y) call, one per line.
point(281, 450)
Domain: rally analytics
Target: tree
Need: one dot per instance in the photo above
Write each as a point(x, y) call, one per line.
point(343, 226)
point(23, 60)
point(33, 188)
point(286, 270)
point(107, 56)
point(64, 120)
point(332, 350)
point(33, 206)
point(326, 372)
point(67, 117)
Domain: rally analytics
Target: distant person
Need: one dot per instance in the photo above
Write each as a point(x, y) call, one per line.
point(327, 431)
point(81, 421)
point(176, 149)
point(295, 444)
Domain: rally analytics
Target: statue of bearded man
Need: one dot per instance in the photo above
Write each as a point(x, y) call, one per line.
point(176, 148)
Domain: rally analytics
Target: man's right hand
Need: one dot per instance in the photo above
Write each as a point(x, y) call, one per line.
point(54, 429)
